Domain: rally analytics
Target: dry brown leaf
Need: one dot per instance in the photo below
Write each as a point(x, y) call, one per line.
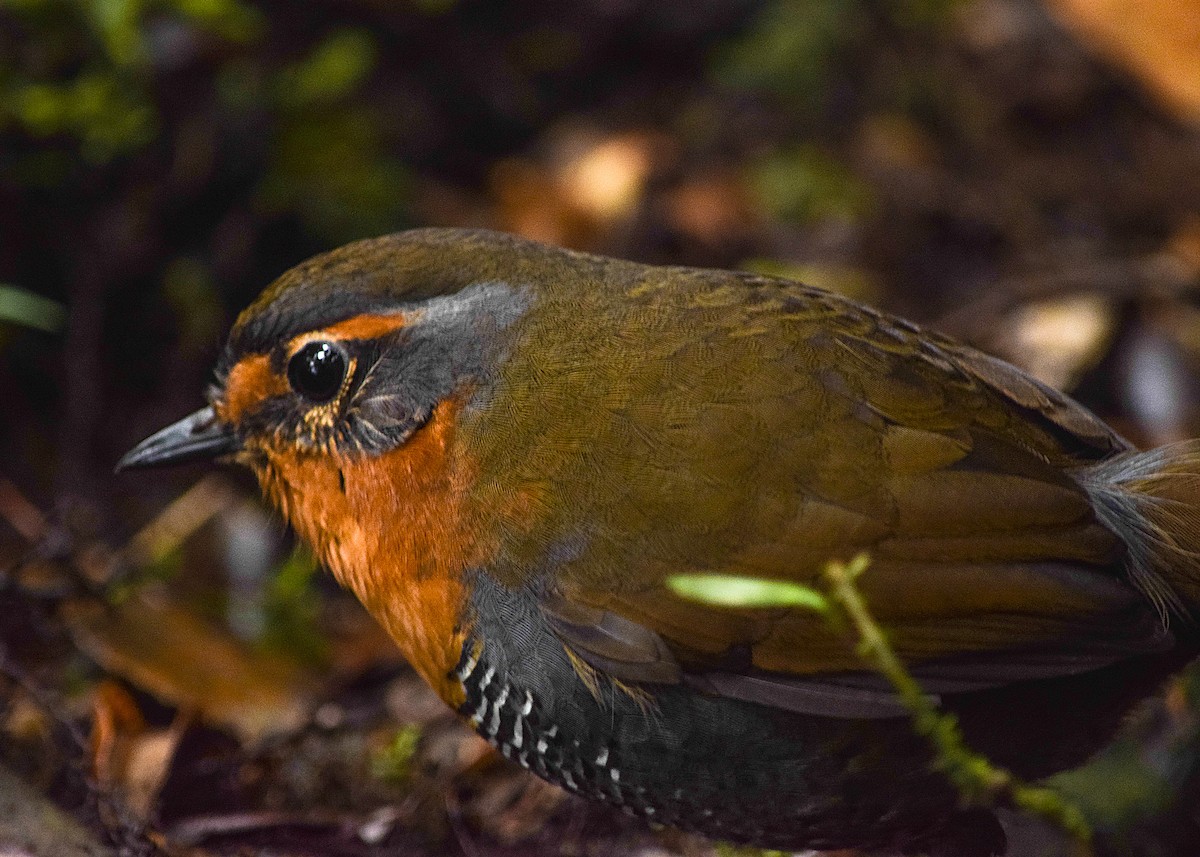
point(895, 141)
point(411, 700)
point(1183, 247)
point(584, 184)
point(530, 203)
point(182, 660)
point(515, 809)
point(1157, 41)
point(126, 755)
point(190, 511)
point(1058, 340)
point(711, 208)
point(605, 179)
point(32, 826)
point(115, 721)
point(20, 513)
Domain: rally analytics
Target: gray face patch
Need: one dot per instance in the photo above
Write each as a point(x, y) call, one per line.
point(455, 342)
point(451, 343)
point(496, 304)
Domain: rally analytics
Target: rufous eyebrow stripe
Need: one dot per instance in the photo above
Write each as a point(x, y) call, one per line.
point(250, 382)
point(365, 326)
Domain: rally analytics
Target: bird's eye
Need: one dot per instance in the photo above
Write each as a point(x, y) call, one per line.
point(316, 371)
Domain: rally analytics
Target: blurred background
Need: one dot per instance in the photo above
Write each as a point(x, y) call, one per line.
point(175, 677)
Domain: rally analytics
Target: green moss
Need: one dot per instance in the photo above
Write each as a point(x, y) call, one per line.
point(1117, 789)
point(334, 69)
point(292, 609)
point(393, 763)
point(107, 115)
point(806, 185)
point(18, 306)
point(790, 48)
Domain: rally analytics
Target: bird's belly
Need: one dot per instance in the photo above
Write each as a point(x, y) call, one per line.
point(719, 767)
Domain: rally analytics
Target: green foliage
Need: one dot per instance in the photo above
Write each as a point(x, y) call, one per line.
point(802, 53)
point(793, 47)
point(805, 185)
point(188, 285)
point(790, 48)
point(87, 73)
point(330, 163)
point(393, 763)
point(727, 590)
point(228, 19)
point(105, 114)
point(292, 609)
point(116, 24)
point(18, 306)
point(89, 82)
point(119, 25)
point(331, 170)
point(334, 69)
point(1121, 788)
point(977, 780)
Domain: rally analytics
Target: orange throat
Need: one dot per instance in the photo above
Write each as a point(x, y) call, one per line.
point(392, 528)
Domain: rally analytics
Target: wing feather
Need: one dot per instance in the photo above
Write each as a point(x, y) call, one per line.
point(762, 428)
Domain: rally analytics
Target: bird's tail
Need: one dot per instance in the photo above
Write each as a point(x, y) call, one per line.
point(1151, 500)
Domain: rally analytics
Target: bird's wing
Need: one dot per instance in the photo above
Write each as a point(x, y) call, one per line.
point(980, 578)
point(769, 429)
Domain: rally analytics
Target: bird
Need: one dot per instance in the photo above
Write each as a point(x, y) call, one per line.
point(507, 450)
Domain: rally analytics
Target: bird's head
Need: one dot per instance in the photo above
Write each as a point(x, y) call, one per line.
point(343, 388)
point(352, 352)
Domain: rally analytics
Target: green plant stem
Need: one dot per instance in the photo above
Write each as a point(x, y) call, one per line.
point(977, 779)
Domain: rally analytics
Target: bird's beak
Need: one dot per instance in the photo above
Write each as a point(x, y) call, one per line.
point(197, 437)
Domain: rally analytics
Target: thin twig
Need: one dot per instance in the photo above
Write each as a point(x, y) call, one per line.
point(21, 514)
point(43, 697)
point(186, 514)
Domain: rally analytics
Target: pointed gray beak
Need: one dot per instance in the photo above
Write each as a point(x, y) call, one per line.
point(198, 437)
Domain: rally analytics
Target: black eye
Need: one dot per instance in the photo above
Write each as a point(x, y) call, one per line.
point(316, 371)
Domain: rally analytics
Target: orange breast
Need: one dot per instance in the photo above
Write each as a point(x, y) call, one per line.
point(393, 529)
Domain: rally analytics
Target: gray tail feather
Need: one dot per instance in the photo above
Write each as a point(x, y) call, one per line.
point(1151, 500)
